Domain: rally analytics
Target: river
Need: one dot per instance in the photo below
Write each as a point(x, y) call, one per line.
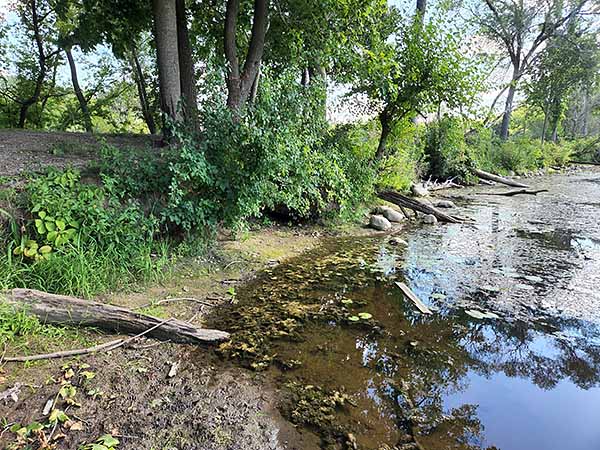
point(509, 359)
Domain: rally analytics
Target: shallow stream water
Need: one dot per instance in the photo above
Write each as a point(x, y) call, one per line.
point(526, 377)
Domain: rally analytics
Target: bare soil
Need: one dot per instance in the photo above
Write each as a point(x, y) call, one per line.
point(29, 151)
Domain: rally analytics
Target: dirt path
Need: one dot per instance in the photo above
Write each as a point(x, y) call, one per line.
point(26, 150)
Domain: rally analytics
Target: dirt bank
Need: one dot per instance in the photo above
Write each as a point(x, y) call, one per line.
point(27, 151)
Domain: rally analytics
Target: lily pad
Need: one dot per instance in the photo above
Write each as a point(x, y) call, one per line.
point(365, 315)
point(354, 318)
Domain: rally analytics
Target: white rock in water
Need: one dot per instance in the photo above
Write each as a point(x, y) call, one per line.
point(419, 190)
point(379, 223)
point(445, 204)
point(392, 215)
point(397, 241)
point(430, 219)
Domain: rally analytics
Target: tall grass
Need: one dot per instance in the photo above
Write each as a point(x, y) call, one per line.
point(85, 272)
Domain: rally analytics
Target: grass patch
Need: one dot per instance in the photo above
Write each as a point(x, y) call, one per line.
point(85, 272)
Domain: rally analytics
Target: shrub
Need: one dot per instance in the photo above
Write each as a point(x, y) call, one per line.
point(79, 239)
point(405, 162)
point(447, 153)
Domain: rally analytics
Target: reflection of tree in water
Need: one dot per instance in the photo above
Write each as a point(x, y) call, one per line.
point(420, 375)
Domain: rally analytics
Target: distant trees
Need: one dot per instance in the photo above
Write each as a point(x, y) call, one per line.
point(521, 28)
point(570, 61)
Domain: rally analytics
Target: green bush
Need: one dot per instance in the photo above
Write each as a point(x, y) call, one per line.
point(405, 161)
point(279, 154)
point(79, 239)
point(447, 153)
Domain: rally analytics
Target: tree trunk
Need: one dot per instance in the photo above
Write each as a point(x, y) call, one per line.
point(87, 119)
point(386, 129)
point(140, 82)
point(254, 90)
point(239, 83)
point(545, 126)
point(165, 35)
point(63, 310)
point(186, 67)
point(403, 201)
point(586, 113)
point(504, 129)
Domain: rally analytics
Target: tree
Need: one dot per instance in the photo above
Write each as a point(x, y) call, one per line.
point(241, 78)
point(569, 61)
point(521, 28)
point(37, 18)
point(419, 67)
point(167, 55)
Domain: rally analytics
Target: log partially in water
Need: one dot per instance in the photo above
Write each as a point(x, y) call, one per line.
point(63, 310)
point(415, 205)
point(515, 192)
point(498, 179)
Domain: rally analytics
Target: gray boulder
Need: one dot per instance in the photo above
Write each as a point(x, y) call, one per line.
point(419, 190)
point(430, 219)
point(445, 204)
point(392, 215)
point(380, 223)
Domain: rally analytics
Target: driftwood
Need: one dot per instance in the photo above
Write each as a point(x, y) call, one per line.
point(498, 179)
point(63, 310)
point(586, 163)
point(515, 192)
point(411, 296)
point(415, 205)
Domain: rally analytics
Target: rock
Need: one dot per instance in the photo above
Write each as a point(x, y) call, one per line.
point(444, 204)
point(380, 223)
point(397, 241)
point(392, 215)
point(419, 190)
point(430, 219)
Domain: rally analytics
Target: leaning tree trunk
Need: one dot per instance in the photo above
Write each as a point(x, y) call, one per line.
point(186, 67)
point(386, 129)
point(239, 82)
point(63, 310)
point(140, 82)
point(83, 104)
point(508, 106)
point(165, 35)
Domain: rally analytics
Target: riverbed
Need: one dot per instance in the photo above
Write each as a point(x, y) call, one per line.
point(509, 359)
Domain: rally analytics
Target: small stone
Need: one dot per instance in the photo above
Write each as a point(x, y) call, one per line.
point(445, 204)
point(419, 190)
point(393, 215)
point(380, 223)
point(430, 219)
point(397, 241)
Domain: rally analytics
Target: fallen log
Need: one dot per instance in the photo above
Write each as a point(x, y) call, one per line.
point(585, 163)
point(515, 192)
point(498, 179)
point(63, 310)
point(415, 205)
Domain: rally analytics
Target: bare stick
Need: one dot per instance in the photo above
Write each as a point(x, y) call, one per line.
point(178, 299)
point(515, 192)
point(85, 351)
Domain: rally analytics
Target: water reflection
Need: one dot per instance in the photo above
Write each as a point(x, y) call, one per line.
point(528, 380)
